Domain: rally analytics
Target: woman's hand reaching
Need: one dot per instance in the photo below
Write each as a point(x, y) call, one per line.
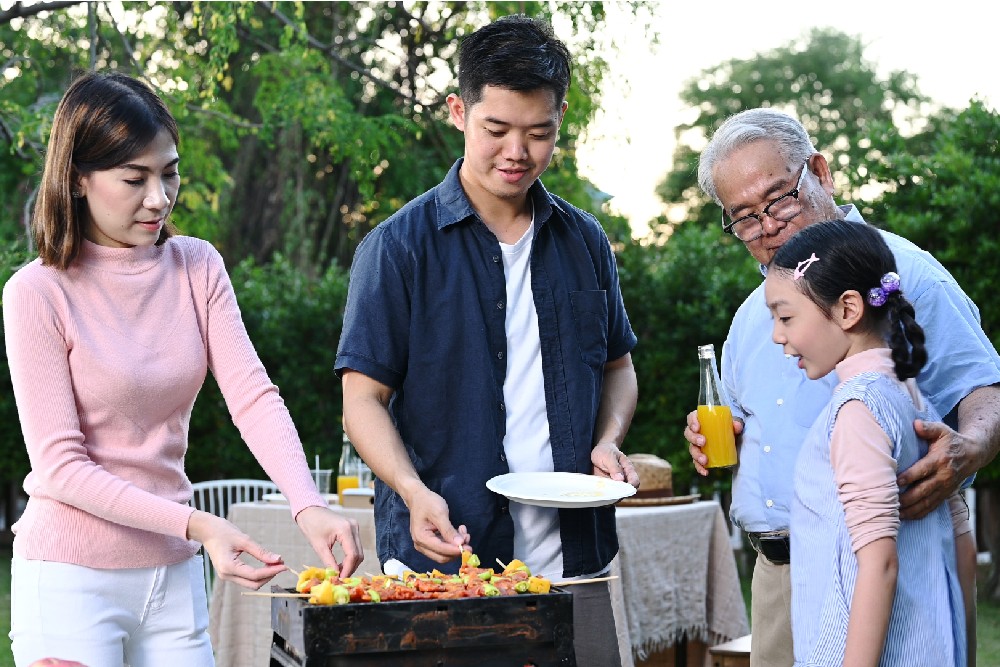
point(224, 543)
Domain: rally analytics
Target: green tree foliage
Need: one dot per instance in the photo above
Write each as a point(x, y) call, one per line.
point(303, 124)
point(679, 295)
point(944, 195)
point(294, 322)
point(823, 80)
point(686, 282)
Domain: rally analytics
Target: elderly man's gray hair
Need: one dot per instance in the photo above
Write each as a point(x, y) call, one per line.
point(748, 127)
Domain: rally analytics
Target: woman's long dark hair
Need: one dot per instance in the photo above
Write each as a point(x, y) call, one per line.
point(854, 256)
point(103, 120)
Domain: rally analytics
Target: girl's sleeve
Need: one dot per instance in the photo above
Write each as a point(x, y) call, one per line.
point(959, 510)
point(865, 474)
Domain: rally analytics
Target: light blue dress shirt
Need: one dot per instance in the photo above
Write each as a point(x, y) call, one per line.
point(779, 404)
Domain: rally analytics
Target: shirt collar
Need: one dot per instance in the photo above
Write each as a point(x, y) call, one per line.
point(454, 206)
point(878, 359)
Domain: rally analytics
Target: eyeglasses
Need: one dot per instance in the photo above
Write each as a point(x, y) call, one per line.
point(751, 227)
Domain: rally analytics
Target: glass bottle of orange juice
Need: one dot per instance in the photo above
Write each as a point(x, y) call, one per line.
point(714, 415)
point(347, 471)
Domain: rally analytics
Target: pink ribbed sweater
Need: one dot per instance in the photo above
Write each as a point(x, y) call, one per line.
point(106, 360)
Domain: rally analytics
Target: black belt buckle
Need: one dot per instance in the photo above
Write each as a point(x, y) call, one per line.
point(775, 547)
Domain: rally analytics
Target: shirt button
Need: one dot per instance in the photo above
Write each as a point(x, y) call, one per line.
point(500, 305)
point(500, 355)
point(496, 260)
point(503, 509)
point(770, 503)
point(767, 448)
point(503, 457)
point(502, 407)
point(781, 401)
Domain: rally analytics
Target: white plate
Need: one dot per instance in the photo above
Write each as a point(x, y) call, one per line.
point(331, 498)
point(560, 489)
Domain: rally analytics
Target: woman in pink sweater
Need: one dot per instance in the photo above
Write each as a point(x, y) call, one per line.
point(110, 334)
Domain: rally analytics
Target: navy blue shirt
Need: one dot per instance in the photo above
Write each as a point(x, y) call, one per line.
point(425, 316)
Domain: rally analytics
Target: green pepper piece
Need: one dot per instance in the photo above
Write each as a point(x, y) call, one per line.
point(490, 590)
point(521, 587)
point(373, 594)
point(341, 595)
point(474, 560)
point(487, 575)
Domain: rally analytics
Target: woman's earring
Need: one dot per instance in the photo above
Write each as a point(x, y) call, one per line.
point(77, 194)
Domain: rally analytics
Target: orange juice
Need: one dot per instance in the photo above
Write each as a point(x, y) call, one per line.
point(346, 482)
point(720, 441)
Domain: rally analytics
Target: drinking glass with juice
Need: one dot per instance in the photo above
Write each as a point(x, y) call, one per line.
point(346, 482)
point(348, 472)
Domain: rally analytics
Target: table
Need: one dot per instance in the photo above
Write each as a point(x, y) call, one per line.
point(677, 579)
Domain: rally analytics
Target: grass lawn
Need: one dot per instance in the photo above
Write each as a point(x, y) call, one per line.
point(988, 618)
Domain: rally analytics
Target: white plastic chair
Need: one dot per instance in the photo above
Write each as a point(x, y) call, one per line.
point(215, 497)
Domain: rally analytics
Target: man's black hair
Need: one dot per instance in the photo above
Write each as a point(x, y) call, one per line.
point(514, 53)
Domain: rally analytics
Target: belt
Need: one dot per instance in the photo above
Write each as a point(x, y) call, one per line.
point(774, 546)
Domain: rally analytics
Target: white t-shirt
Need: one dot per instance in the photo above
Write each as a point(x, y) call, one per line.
point(526, 442)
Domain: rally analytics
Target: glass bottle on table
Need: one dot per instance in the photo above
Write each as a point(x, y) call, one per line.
point(348, 476)
point(714, 414)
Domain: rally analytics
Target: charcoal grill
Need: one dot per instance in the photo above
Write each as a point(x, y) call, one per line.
point(506, 631)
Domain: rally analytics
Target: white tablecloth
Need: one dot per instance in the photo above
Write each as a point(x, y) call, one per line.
point(677, 576)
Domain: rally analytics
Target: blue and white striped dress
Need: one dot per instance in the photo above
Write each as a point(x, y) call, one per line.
point(927, 625)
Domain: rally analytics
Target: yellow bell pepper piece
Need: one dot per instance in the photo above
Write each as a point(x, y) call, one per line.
point(515, 566)
point(539, 585)
point(322, 593)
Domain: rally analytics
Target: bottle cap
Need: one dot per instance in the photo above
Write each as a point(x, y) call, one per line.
point(706, 351)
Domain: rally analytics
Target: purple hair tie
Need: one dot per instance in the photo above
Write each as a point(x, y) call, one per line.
point(877, 296)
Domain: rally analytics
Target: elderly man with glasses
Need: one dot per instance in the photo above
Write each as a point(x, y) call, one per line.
point(770, 180)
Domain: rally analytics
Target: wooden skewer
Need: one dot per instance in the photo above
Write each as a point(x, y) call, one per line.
point(501, 564)
point(584, 581)
point(293, 571)
point(276, 595)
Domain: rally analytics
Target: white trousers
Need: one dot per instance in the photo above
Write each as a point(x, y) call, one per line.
point(145, 617)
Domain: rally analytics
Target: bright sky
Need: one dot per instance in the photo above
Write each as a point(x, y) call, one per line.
point(950, 48)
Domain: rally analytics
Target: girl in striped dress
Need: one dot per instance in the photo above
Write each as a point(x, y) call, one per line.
point(867, 589)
